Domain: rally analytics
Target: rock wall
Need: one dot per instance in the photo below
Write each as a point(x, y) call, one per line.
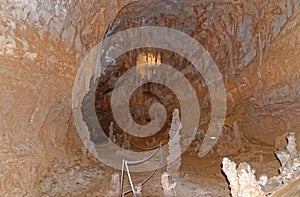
point(248, 40)
point(234, 32)
point(41, 45)
point(243, 181)
point(264, 98)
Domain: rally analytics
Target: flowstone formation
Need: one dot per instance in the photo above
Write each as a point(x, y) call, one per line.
point(243, 182)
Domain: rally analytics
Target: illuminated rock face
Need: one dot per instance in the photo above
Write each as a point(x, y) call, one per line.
point(43, 42)
point(146, 64)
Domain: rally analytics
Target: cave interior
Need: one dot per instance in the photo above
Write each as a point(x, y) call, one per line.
point(63, 109)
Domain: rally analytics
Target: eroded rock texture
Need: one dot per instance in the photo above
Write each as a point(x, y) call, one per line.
point(289, 159)
point(235, 33)
point(265, 96)
point(168, 187)
point(40, 42)
point(43, 42)
point(243, 182)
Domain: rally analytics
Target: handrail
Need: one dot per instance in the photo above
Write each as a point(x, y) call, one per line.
point(143, 160)
point(126, 164)
point(142, 148)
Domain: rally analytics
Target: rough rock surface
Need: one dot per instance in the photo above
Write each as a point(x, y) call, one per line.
point(169, 188)
point(244, 183)
point(174, 159)
point(242, 180)
point(264, 97)
point(236, 33)
point(42, 43)
point(114, 185)
point(291, 189)
point(289, 159)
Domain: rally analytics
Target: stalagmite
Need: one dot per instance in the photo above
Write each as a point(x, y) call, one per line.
point(289, 159)
point(249, 186)
point(290, 165)
point(229, 168)
point(138, 190)
point(167, 186)
point(62, 60)
point(236, 131)
point(126, 143)
point(174, 157)
point(112, 135)
point(114, 185)
point(242, 180)
point(292, 145)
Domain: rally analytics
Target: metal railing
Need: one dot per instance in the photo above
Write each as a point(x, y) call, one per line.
point(126, 164)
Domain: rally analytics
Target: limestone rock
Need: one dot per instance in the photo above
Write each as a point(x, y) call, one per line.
point(114, 185)
point(242, 180)
point(289, 159)
point(174, 157)
point(168, 187)
point(42, 43)
point(229, 168)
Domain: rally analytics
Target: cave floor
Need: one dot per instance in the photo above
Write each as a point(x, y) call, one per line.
point(200, 176)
